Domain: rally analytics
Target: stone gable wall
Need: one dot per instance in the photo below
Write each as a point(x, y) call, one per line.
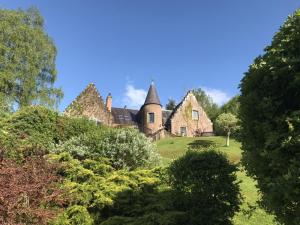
point(183, 118)
point(90, 104)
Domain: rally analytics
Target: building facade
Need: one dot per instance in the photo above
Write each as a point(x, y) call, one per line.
point(187, 119)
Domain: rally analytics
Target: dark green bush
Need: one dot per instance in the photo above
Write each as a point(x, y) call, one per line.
point(205, 188)
point(270, 120)
point(35, 129)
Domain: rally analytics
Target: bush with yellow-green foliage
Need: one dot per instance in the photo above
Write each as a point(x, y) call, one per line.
point(101, 194)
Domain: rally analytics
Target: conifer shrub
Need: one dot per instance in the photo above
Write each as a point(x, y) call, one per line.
point(99, 192)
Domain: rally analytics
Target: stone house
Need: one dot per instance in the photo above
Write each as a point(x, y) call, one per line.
point(187, 119)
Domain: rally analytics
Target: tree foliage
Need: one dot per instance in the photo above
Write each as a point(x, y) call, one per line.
point(232, 106)
point(226, 123)
point(171, 104)
point(205, 188)
point(27, 59)
point(211, 108)
point(270, 103)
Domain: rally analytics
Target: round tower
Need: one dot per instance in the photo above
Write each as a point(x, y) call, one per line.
point(151, 116)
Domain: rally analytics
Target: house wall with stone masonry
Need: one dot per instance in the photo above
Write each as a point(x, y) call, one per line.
point(182, 117)
point(90, 104)
point(151, 128)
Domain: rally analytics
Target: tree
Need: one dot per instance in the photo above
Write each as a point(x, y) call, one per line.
point(27, 58)
point(232, 106)
point(27, 191)
point(205, 187)
point(226, 122)
point(269, 113)
point(211, 108)
point(171, 104)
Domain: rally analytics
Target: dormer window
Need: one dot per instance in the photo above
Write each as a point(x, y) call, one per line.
point(150, 117)
point(195, 115)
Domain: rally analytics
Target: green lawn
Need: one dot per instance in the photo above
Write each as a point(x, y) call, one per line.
point(172, 148)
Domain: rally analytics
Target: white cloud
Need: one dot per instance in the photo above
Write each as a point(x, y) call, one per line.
point(134, 97)
point(220, 97)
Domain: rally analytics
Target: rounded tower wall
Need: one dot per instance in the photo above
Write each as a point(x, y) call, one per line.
point(152, 118)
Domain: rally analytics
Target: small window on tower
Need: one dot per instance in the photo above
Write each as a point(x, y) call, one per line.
point(195, 115)
point(150, 117)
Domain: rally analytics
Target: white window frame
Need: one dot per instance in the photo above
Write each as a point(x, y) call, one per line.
point(193, 117)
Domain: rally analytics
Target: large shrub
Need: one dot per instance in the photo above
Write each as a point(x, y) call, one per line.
point(270, 119)
point(205, 187)
point(99, 193)
point(29, 128)
point(125, 148)
point(29, 192)
point(36, 128)
point(129, 148)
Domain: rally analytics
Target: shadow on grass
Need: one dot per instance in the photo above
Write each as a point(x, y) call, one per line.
point(202, 144)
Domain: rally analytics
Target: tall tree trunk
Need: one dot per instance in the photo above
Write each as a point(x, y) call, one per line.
point(227, 139)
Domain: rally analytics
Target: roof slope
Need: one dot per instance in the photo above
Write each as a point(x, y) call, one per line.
point(152, 96)
point(168, 122)
point(124, 116)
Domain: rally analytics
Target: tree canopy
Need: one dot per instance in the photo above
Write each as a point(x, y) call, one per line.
point(171, 104)
point(232, 106)
point(211, 108)
point(226, 123)
point(269, 112)
point(27, 59)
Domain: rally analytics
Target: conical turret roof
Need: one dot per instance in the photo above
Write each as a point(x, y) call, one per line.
point(152, 96)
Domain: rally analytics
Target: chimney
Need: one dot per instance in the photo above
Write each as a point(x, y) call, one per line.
point(109, 102)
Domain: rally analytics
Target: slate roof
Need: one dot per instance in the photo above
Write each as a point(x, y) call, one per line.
point(152, 96)
point(125, 116)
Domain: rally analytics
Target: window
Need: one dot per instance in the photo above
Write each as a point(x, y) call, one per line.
point(183, 131)
point(195, 115)
point(150, 117)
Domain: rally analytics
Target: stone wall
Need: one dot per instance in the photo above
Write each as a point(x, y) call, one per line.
point(151, 128)
point(90, 104)
point(182, 117)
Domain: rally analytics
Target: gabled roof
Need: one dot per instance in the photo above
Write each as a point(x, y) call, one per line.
point(168, 122)
point(152, 96)
point(89, 104)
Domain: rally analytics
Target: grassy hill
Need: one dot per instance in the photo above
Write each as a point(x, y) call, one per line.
point(172, 148)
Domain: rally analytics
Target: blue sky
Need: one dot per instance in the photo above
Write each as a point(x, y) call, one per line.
point(121, 45)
